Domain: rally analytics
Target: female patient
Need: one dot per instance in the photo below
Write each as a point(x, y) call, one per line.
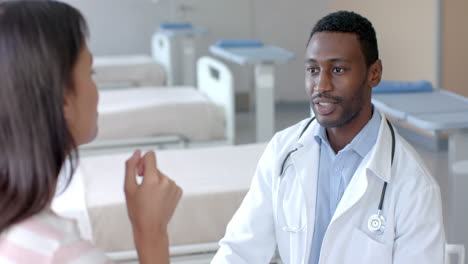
point(48, 104)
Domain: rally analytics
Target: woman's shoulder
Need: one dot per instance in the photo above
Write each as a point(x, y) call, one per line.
point(47, 237)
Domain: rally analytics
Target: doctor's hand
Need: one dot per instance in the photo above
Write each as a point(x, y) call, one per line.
point(150, 205)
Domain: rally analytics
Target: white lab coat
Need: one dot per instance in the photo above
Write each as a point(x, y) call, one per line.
point(280, 211)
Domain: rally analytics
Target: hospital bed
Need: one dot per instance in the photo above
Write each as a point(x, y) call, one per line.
point(161, 115)
point(435, 113)
point(171, 63)
point(214, 181)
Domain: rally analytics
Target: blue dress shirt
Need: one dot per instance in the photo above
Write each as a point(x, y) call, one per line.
point(335, 173)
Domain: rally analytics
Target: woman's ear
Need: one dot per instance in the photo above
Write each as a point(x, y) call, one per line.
point(375, 73)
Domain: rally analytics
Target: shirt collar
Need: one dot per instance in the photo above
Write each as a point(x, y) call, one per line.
point(362, 142)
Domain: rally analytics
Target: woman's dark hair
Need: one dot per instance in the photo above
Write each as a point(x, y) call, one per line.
point(40, 42)
point(350, 22)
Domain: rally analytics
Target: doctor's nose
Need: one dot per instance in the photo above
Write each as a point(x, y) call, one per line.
point(322, 83)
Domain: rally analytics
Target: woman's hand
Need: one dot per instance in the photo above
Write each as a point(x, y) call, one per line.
point(150, 206)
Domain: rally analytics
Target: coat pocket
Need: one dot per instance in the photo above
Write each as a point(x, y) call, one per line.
point(292, 207)
point(292, 222)
point(364, 249)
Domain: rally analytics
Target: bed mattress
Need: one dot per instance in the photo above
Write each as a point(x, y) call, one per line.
point(159, 111)
point(139, 70)
point(214, 181)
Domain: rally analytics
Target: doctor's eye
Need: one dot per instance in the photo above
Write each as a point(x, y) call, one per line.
point(338, 70)
point(312, 69)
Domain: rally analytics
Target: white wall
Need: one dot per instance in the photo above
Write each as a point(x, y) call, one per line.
point(125, 27)
point(288, 25)
point(406, 33)
point(454, 43)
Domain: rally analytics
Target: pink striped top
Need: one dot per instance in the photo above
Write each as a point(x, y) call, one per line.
point(47, 238)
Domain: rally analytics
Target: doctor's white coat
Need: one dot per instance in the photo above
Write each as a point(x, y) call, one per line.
point(279, 211)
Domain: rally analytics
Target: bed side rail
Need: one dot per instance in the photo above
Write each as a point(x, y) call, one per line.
point(216, 82)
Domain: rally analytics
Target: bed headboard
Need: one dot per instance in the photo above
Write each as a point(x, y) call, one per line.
point(216, 82)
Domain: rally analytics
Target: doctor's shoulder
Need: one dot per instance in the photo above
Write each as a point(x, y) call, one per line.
point(413, 186)
point(282, 143)
point(415, 199)
point(410, 169)
point(289, 136)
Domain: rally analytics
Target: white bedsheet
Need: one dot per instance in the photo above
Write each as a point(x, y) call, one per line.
point(214, 181)
point(134, 70)
point(159, 111)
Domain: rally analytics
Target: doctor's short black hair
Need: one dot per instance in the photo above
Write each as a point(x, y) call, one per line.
point(351, 22)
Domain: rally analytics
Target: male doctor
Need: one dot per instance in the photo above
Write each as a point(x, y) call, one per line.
point(343, 187)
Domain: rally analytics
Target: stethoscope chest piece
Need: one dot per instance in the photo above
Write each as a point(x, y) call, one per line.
point(376, 223)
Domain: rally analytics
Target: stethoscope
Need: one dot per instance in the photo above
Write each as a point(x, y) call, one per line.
point(376, 222)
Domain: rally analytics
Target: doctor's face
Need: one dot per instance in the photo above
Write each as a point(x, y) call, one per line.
point(336, 78)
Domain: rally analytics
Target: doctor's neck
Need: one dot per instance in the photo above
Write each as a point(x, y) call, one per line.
point(342, 135)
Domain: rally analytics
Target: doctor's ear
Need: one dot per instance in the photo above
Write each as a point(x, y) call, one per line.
point(375, 73)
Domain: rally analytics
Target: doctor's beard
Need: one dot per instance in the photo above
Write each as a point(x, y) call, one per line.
point(348, 112)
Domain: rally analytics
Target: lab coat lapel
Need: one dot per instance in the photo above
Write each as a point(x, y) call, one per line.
point(376, 161)
point(355, 190)
point(306, 161)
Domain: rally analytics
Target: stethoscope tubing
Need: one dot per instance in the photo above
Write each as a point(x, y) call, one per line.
point(384, 188)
